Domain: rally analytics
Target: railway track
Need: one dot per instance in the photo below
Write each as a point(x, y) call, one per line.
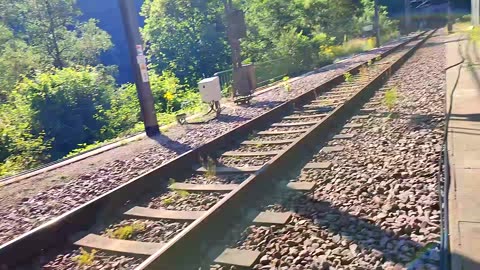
point(179, 217)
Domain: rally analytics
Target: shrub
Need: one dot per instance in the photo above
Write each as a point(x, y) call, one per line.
point(54, 112)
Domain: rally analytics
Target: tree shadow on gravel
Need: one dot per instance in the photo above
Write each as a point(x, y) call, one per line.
point(228, 118)
point(356, 231)
point(264, 104)
point(175, 146)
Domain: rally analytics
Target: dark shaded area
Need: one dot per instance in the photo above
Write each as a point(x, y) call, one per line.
point(110, 20)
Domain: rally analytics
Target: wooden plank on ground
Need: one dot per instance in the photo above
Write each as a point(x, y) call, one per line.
point(203, 187)
point(268, 142)
point(306, 116)
point(150, 213)
point(116, 245)
point(328, 101)
point(230, 170)
point(250, 154)
point(316, 110)
point(280, 132)
point(295, 124)
point(238, 257)
point(313, 106)
point(318, 165)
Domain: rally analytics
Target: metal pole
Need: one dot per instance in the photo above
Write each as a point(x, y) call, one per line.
point(139, 64)
point(408, 16)
point(475, 12)
point(449, 17)
point(377, 24)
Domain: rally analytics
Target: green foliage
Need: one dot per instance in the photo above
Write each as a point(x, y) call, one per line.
point(211, 166)
point(53, 30)
point(169, 95)
point(68, 105)
point(474, 34)
point(185, 36)
point(128, 231)
point(390, 98)
point(53, 99)
point(168, 201)
point(182, 193)
point(363, 72)
point(286, 84)
point(388, 27)
point(348, 77)
point(85, 258)
point(17, 60)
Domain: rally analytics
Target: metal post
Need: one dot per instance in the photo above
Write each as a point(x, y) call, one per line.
point(475, 12)
point(377, 24)
point(139, 64)
point(449, 17)
point(408, 16)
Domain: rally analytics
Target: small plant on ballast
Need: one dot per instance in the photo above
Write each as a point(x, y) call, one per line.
point(370, 62)
point(210, 166)
point(378, 58)
point(348, 77)
point(126, 232)
point(390, 99)
point(85, 258)
point(363, 72)
point(286, 84)
point(179, 192)
point(182, 193)
point(168, 201)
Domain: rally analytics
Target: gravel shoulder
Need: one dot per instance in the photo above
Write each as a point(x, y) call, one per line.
point(33, 201)
point(377, 207)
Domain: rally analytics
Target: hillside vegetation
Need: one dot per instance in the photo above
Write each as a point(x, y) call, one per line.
point(56, 96)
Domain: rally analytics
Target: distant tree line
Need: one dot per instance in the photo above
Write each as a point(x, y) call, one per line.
point(55, 94)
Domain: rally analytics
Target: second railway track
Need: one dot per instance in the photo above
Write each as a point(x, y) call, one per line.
point(178, 218)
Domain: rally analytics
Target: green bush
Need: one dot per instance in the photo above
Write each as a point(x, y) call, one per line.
point(62, 108)
point(169, 95)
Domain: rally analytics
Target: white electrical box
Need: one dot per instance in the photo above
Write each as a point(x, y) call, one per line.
point(210, 89)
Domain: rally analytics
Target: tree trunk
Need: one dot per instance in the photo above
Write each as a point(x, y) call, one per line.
point(56, 54)
point(376, 24)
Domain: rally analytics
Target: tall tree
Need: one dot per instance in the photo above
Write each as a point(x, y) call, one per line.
point(186, 36)
point(53, 29)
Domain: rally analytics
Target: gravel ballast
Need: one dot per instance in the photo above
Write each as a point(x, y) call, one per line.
point(37, 209)
point(377, 207)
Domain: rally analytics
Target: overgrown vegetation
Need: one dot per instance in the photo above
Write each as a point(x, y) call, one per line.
point(390, 99)
point(57, 99)
point(128, 231)
point(348, 77)
point(286, 84)
point(85, 258)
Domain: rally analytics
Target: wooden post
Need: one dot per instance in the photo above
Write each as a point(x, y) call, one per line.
point(139, 65)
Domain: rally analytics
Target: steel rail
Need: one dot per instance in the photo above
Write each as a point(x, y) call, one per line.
point(62, 228)
point(218, 219)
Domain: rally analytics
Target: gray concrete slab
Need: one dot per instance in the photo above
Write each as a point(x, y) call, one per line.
point(272, 218)
point(301, 186)
point(318, 165)
point(463, 94)
point(238, 257)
